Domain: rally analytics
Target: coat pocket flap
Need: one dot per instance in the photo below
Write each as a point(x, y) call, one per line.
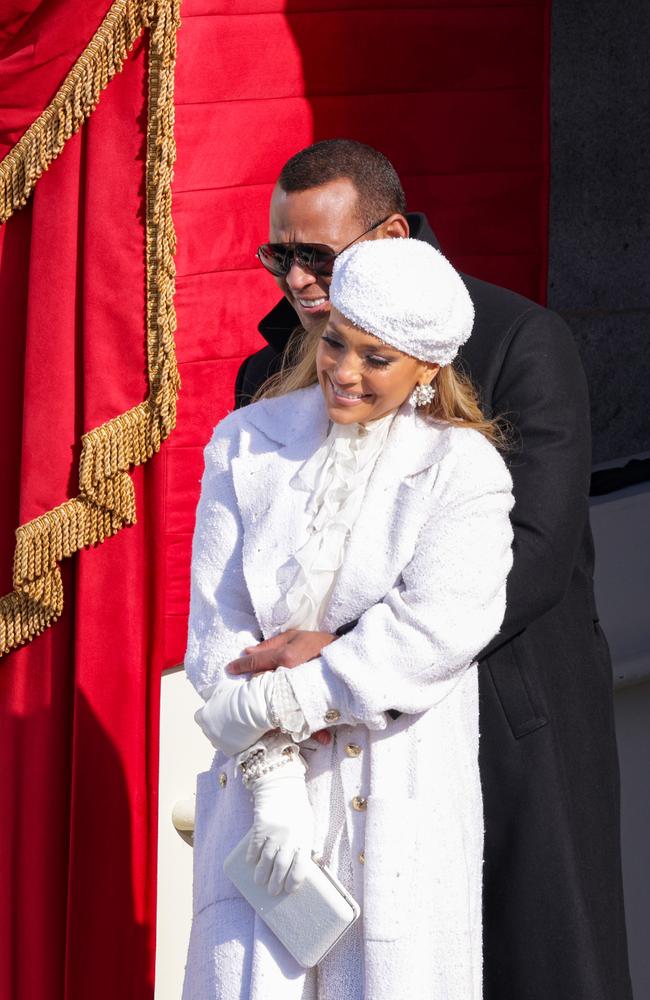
point(513, 687)
point(223, 815)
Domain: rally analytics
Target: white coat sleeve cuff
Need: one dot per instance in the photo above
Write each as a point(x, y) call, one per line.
point(322, 696)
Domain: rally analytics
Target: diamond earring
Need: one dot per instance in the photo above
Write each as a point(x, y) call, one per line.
point(422, 395)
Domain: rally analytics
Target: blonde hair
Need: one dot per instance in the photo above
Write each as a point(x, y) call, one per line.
point(456, 400)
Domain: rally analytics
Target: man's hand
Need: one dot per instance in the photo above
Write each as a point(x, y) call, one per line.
point(288, 649)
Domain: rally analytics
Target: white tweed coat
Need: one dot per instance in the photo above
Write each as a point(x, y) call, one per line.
point(424, 573)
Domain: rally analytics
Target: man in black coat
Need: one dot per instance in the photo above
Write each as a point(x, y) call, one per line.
point(554, 924)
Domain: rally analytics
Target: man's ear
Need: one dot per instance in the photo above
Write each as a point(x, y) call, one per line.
point(395, 227)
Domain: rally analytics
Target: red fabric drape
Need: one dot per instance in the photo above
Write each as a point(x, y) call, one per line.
point(79, 704)
point(456, 96)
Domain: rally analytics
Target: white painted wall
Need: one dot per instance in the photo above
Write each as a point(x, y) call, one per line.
point(184, 751)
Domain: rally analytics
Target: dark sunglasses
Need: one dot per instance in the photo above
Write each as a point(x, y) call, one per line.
point(279, 258)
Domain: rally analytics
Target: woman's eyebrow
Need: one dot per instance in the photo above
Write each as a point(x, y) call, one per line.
point(379, 346)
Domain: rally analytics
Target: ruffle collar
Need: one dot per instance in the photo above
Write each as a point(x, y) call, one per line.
point(335, 476)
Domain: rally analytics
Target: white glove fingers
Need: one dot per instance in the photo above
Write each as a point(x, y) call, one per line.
point(255, 848)
point(264, 866)
point(281, 865)
point(283, 824)
point(298, 871)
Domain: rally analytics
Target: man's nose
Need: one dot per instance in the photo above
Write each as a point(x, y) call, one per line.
point(299, 277)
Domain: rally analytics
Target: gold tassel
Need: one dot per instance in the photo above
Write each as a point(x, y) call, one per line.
point(106, 502)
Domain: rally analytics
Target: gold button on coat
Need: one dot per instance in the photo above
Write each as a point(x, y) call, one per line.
point(352, 749)
point(223, 779)
point(362, 857)
point(332, 715)
point(359, 803)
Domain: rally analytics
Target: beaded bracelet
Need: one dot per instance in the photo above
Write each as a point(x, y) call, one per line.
point(258, 764)
point(270, 753)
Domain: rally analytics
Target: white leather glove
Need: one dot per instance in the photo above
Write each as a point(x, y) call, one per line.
point(237, 714)
point(283, 827)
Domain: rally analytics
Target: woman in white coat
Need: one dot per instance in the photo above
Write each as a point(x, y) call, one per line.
point(363, 489)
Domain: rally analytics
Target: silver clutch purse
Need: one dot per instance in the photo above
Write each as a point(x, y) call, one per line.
point(309, 921)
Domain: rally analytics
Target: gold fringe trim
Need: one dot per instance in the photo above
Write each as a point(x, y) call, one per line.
point(106, 501)
point(76, 98)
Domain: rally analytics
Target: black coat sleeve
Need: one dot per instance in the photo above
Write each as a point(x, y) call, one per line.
point(541, 389)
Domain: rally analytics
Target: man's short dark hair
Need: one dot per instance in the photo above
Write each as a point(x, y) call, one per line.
point(373, 175)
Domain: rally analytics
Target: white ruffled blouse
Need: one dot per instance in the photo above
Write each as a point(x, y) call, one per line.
point(336, 476)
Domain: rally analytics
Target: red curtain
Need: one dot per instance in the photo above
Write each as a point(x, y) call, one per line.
point(79, 703)
point(456, 96)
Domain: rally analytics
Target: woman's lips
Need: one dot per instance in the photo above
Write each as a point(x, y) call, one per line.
point(342, 398)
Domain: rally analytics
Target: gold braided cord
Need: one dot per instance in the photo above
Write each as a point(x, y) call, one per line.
point(106, 501)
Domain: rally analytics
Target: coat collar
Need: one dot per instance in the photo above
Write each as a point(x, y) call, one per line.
point(299, 422)
point(297, 419)
point(278, 435)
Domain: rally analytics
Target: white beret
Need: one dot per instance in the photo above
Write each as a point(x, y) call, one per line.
point(407, 294)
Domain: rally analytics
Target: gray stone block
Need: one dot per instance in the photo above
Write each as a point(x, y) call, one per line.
point(615, 350)
point(600, 155)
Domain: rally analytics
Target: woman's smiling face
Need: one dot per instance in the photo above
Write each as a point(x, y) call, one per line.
point(361, 377)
